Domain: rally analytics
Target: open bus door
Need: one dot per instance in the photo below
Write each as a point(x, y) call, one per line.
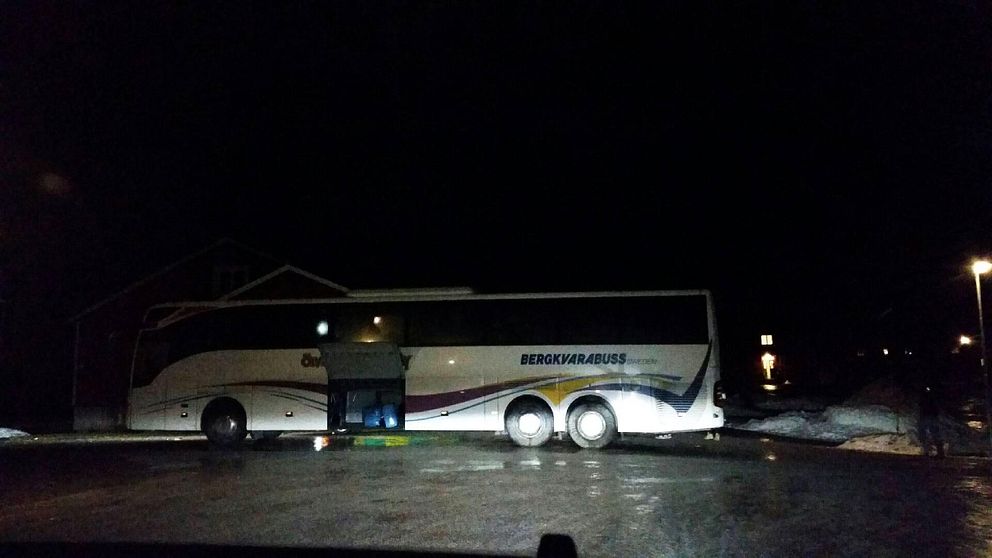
point(364, 381)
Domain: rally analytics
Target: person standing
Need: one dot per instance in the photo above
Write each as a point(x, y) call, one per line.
point(929, 424)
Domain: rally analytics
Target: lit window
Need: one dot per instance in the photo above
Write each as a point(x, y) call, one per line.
point(766, 340)
point(768, 363)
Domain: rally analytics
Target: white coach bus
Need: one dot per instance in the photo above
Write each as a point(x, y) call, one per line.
point(589, 364)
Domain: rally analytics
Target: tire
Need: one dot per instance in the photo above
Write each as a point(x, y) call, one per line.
point(265, 434)
point(529, 423)
point(592, 425)
point(225, 424)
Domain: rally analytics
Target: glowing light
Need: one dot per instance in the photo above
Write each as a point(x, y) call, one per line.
point(981, 266)
point(766, 339)
point(769, 387)
point(885, 352)
point(320, 442)
point(771, 457)
point(377, 320)
point(322, 328)
point(965, 340)
point(768, 363)
point(451, 361)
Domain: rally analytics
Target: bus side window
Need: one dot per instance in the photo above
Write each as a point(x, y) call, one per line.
point(369, 325)
point(151, 358)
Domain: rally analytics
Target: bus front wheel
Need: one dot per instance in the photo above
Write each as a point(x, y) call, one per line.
point(592, 425)
point(225, 422)
point(530, 423)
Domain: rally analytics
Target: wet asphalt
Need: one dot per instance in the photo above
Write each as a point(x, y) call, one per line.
point(739, 496)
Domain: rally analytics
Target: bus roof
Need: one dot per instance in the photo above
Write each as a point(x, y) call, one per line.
point(408, 295)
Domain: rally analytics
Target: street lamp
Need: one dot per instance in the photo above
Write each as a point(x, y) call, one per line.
point(978, 267)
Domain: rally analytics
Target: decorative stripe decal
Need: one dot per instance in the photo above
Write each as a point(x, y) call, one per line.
point(160, 406)
point(163, 405)
point(681, 403)
point(324, 409)
point(304, 386)
point(421, 403)
point(294, 396)
point(476, 404)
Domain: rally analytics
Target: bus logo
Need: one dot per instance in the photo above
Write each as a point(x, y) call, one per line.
point(310, 361)
point(551, 359)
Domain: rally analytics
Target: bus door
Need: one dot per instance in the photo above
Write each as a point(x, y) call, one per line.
point(362, 378)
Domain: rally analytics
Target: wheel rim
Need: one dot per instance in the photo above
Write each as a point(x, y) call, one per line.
point(226, 426)
point(591, 425)
point(529, 424)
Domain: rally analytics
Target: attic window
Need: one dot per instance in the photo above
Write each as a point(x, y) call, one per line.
point(229, 277)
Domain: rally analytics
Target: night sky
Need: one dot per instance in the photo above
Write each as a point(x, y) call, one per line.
point(823, 167)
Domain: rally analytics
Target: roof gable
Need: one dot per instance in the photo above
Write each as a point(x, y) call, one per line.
point(287, 282)
point(222, 244)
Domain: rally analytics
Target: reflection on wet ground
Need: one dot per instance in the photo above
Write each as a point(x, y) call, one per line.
point(644, 497)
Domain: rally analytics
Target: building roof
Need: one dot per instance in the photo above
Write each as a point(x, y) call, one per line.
point(282, 270)
point(148, 278)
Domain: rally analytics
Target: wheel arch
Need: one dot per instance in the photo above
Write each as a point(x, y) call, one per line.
point(222, 402)
point(591, 398)
point(523, 398)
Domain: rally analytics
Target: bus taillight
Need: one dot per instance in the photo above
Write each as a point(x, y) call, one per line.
point(719, 396)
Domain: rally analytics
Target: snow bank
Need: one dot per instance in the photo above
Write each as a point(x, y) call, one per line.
point(881, 408)
point(11, 433)
point(835, 424)
point(880, 417)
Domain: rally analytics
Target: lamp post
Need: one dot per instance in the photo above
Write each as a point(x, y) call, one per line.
point(978, 268)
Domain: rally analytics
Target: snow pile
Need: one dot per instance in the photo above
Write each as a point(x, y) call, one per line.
point(882, 407)
point(835, 424)
point(11, 433)
point(878, 418)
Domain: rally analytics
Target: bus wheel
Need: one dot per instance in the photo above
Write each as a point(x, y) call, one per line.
point(530, 423)
point(224, 422)
point(592, 425)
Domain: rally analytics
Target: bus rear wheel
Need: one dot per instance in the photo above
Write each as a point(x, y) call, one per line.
point(592, 425)
point(225, 423)
point(530, 423)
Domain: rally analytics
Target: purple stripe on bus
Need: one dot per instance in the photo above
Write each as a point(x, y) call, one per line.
point(305, 386)
point(421, 403)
